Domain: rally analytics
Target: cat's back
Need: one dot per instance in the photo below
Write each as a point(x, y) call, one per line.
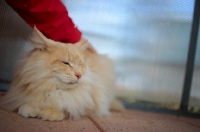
point(102, 66)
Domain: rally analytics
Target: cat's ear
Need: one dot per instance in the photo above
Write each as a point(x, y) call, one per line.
point(82, 44)
point(39, 40)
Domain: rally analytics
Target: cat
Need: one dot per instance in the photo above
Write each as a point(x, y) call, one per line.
point(56, 81)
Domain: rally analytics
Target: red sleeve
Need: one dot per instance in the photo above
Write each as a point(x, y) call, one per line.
point(49, 16)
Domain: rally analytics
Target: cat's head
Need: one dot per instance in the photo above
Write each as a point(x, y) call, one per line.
point(59, 62)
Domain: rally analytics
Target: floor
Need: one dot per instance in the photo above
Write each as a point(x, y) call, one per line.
point(127, 121)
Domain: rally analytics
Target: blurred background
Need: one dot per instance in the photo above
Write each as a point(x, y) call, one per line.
point(148, 41)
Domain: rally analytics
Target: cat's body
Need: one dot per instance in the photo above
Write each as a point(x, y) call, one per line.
point(56, 80)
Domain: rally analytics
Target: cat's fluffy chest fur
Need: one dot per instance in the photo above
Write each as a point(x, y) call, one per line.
point(56, 81)
point(79, 100)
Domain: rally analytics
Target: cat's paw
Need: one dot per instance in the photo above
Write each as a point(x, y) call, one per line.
point(51, 114)
point(101, 113)
point(27, 110)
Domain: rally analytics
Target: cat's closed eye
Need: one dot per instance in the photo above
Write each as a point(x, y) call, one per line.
point(66, 63)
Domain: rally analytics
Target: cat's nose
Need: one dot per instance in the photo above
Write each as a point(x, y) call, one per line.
point(78, 75)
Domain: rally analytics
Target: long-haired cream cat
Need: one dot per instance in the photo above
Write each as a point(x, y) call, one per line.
point(56, 81)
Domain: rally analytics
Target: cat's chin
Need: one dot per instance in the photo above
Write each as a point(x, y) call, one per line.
point(67, 86)
point(71, 83)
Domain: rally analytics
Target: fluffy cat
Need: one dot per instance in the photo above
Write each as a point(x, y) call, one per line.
point(56, 81)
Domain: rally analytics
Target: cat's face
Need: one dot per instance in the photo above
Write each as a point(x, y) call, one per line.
point(67, 65)
point(64, 62)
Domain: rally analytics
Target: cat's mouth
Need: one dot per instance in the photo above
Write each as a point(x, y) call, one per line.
point(69, 83)
point(72, 82)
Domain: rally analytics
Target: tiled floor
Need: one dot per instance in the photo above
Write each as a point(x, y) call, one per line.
point(127, 121)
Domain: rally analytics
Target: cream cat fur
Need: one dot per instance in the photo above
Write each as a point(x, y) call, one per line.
point(57, 80)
